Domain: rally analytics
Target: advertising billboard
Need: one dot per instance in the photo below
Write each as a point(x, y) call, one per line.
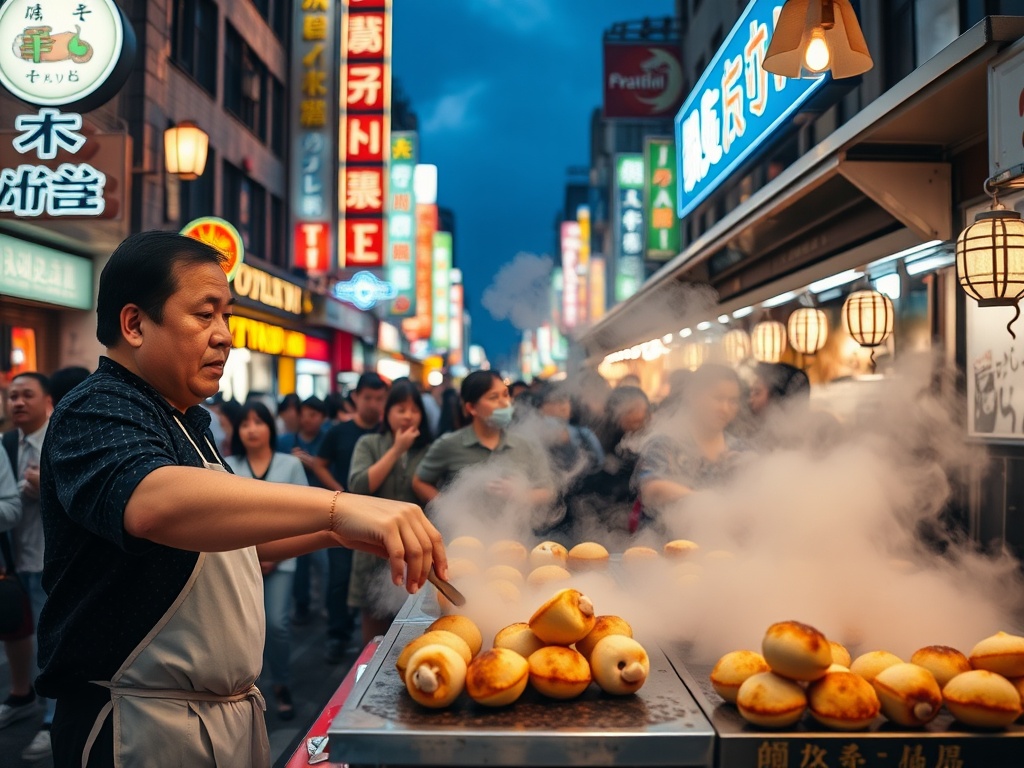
point(663, 239)
point(629, 224)
point(401, 240)
point(642, 80)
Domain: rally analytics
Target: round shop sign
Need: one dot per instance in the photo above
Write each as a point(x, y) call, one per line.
point(74, 54)
point(222, 236)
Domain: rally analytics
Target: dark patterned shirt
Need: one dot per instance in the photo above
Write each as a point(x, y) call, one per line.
point(105, 588)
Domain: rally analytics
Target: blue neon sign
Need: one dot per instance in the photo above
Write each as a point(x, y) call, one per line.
point(734, 107)
point(365, 290)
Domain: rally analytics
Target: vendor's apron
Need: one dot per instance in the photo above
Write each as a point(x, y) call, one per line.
point(186, 694)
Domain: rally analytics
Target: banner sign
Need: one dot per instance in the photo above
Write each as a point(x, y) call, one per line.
point(629, 225)
point(364, 114)
point(583, 265)
point(735, 107)
point(642, 80)
point(401, 262)
point(313, 128)
point(663, 235)
point(65, 53)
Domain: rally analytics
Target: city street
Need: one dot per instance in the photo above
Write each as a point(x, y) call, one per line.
point(314, 683)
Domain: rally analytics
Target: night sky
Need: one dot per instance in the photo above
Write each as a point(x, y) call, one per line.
point(504, 90)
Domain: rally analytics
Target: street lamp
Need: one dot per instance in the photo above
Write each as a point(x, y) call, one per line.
point(185, 148)
point(817, 36)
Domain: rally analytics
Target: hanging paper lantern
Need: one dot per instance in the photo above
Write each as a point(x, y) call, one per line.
point(868, 317)
point(990, 260)
point(769, 341)
point(808, 330)
point(736, 344)
point(694, 354)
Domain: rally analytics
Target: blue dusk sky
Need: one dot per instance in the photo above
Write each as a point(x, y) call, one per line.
point(504, 91)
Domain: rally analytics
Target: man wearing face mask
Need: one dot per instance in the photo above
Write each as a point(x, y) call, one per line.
point(486, 401)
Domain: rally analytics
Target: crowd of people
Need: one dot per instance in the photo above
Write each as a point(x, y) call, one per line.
point(117, 509)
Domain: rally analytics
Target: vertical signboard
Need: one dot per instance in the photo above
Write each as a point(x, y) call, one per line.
point(570, 242)
point(663, 237)
point(313, 103)
point(629, 225)
point(598, 288)
point(457, 302)
point(442, 265)
point(364, 128)
point(424, 183)
point(735, 107)
point(583, 264)
point(401, 241)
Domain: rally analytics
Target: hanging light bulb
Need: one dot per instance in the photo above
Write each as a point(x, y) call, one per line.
point(817, 56)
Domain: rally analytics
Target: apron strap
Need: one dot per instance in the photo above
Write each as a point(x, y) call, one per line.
point(95, 732)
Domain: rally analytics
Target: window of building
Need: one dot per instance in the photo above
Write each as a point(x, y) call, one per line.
point(245, 206)
point(196, 196)
point(900, 52)
point(275, 12)
point(278, 228)
point(194, 41)
point(279, 118)
point(245, 83)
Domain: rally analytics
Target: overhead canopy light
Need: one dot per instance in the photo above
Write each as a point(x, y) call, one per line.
point(828, 283)
point(782, 298)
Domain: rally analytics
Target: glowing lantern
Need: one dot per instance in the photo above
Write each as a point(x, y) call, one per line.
point(769, 341)
point(737, 346)
point(693, 355)
point(808, 330)
point(990, 259)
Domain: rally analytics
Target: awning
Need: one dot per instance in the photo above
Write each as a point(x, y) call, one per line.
point(883, 173)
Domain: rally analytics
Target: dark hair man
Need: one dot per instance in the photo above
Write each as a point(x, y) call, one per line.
point(154, 616)
point(332, 466)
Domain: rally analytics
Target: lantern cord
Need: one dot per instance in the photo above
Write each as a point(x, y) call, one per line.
point(1016, 314)
point(872, 358)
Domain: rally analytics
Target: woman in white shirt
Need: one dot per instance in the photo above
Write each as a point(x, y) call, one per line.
point(253, 455)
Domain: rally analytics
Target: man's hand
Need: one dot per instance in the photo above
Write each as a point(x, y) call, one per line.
point(396, 530)
point(30, 484)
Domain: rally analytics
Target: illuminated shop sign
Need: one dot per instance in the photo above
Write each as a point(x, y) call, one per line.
point(262, 287)
point(365, 290)
point(313, 129)
point(365, 130)
point(221, 235)
point(583, 263)
point(663, 238)
point(32, 189)
point(570, 242)
point(644, 80)
point(65, 53)
point(735, 106)
point(401, 241)
point(38, 273)
point(629, 225)
point(266, 338)
point(440, 335)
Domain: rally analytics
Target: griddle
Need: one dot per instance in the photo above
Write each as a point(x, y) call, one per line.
point(943, 743)
point(381, 724)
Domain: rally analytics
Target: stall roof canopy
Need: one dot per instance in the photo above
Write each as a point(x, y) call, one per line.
point(886, 168)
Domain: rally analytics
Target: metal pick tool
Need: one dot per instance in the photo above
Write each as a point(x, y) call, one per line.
point(446, 589)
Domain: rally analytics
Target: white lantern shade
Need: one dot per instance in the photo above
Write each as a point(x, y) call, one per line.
point(768, 341)
point(990, 258)
point(801, 22)
point(694, 353)
point(185, 149)
point(808, 330)
point(736, 344)
point(868, 317)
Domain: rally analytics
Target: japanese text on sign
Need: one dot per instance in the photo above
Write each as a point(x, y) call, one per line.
point(69, 190)
point(735, 105)
point(791, 754)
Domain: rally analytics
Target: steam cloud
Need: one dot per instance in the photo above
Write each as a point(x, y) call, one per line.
point(521, 291)
point(843, 528)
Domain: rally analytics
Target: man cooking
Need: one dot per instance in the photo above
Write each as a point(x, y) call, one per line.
point(151, 638)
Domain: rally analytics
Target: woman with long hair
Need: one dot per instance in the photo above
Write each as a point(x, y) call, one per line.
point(383, 464)
point(486, 402)
point(253, 455)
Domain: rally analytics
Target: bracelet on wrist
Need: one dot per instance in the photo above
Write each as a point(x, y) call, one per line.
point(330, 519)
